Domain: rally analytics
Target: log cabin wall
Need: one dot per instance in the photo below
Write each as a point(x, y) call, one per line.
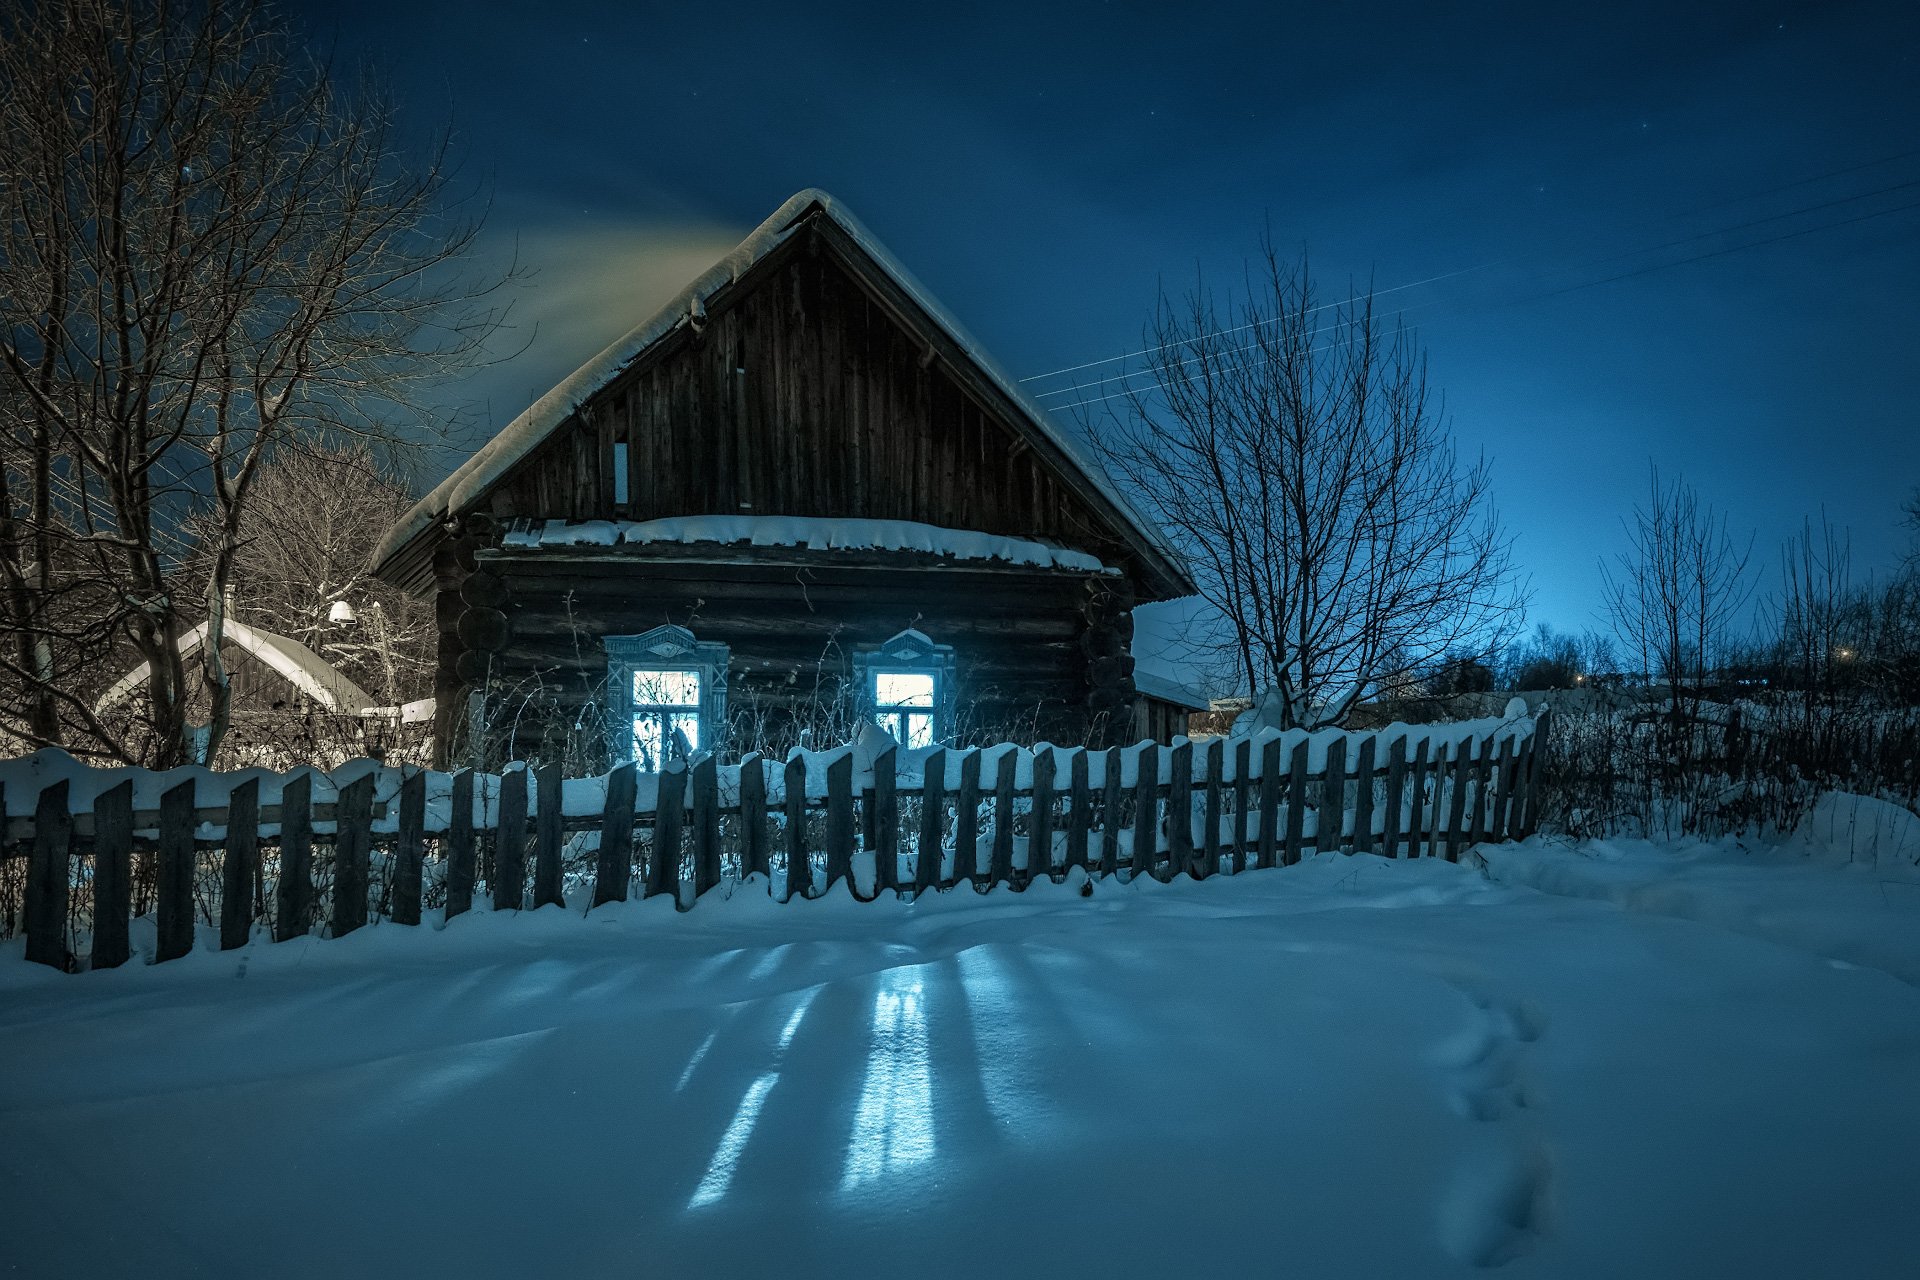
point(802, 395)
point(1035, 652)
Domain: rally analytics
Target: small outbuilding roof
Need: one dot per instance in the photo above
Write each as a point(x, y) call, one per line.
point(300, 666)
point(462, 491)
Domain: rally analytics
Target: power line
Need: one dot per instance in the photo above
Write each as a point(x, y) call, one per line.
point(1448, 275)
point(1803, 182)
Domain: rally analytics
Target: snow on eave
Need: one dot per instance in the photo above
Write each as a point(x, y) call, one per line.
point(300, 666)
point(1164, 687)
point(470, 481)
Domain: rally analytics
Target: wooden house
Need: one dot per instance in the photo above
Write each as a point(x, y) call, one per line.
point(797, 497)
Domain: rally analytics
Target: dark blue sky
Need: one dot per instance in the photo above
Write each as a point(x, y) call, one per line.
point(1043, 168)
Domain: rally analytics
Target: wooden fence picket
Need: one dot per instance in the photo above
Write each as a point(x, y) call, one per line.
point(1112, 801)
point(1242, 793)
point(1482, 777)
point(1457, 795)
point(669, 819)
point(1333, 800)
point(613, 870)
point(510, 843)
point(1180, 857)
point(886, 823)
point(1502, 791)
point(410, 848)
point(549, 839)
point(929, 848)
point(1000, 867)
point(1296, 806)
point(1394, 815)
point(1363, 797)
point(838, 838)
point(1417, 798)
point(966, 820)
point(112, 875)
point(754, 859)
point(1146, 802)
point(705, 781)
point(293, 892)
point(459, 848)
point(1210, 833)
point(799, 852)
point(49, 868)
point(239, 864)
point(1270, 804)
point(1040, 819)
point(1079, 810)
point(173, 878)
point(352, 850)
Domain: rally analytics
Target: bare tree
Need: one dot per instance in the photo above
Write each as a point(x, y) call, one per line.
point(1297, 454)
point(1677, 590)
point(208, 251)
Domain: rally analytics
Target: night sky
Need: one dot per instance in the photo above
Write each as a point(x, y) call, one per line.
point(1045, 168)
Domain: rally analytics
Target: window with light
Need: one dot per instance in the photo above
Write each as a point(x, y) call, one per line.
point(906, 704)
point(666, 701)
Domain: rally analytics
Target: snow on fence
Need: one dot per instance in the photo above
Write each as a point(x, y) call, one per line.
point(298, 852)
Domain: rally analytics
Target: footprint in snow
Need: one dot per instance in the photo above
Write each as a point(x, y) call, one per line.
point(1494, 1207)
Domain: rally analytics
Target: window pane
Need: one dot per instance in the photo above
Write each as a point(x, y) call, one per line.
point(648, 744)
point(666, 688)
point(689, 725)
point(902, 689)
point(919, 731)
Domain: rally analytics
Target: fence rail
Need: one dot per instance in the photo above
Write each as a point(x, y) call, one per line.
point(269, 853)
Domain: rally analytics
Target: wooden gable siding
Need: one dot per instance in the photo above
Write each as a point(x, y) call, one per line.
point(802, 395)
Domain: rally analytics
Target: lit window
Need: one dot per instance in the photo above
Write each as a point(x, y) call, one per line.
point(905, 684)
point(903, 705)
point(675, 689)
point(665, 702)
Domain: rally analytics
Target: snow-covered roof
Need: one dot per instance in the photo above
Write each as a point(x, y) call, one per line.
point(462, 490)
point(300, 666)
point(1166, 687)
point(815, 534)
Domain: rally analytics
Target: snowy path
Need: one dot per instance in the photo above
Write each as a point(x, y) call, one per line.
point(1350, 1068)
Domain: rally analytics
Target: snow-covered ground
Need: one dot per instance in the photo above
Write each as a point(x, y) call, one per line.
point(1602, 1061)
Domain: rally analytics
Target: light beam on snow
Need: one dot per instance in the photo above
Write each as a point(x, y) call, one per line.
point(991, 1005)
point(726, 1156)
point(893, 1125)
point(693, 1063)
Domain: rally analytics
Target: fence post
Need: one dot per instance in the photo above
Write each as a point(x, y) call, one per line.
point(886, 822)
point(1210, 837)
point(173, 890)
point(352, 843)
point(1536, 773)
point(1242, 794)
point(112, 875)
point(1040, 819)
point(459, 847)
point(240, 864)
point(1270, 803)
point(799, 857)
point(1296, 805)
point(1482, 775)
point(753, 819)
point(1146, 802)
point(929, 851)
point(409, 848)
point(839, 832)
point(1333, 800)
point(1180, 812)
point(706, 824)
point(293, 894)
point(1111, 802)
point(1395, 798)
point(47, 876)
point(1000, 868)
point(1363, 795)
point(548, 818)
point(510, 842)
point(1079, 809)
point(614, 867)
point(1457, 796)
point(1417, 799)
point(670, 816)
point(1501, 826)
point(966, 820)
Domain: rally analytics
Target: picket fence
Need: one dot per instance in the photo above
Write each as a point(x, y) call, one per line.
point(905, 823)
